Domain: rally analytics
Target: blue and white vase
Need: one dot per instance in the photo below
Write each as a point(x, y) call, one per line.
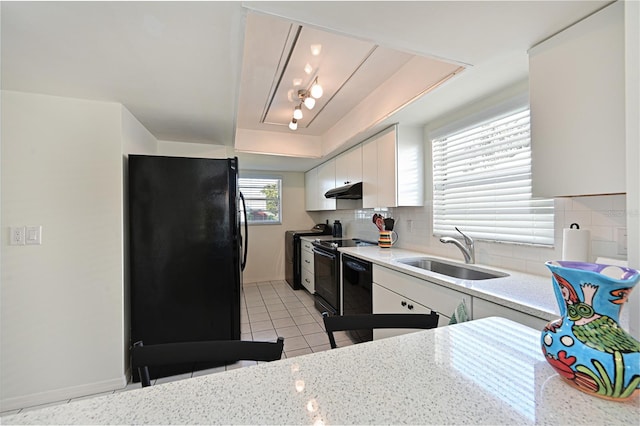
point(587, 346)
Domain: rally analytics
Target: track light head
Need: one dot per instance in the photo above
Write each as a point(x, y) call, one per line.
point(316, 90)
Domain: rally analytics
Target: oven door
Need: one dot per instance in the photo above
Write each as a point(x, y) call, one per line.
point(327, 288)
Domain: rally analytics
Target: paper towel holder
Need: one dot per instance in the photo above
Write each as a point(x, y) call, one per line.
point(574, 224)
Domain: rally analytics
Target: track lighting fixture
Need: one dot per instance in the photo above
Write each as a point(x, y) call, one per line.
point(309, 102)
point(308, 99)
point(316, 90)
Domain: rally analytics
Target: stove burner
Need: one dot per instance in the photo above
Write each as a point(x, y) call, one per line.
point(335, 244)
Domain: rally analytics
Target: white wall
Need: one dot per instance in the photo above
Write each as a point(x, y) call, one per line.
point(136, 139)
point(632, 81)
point(195, 150)
point(62, 301)
point(265, 258)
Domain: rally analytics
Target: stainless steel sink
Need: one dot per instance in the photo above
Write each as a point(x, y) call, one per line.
point(465, 272)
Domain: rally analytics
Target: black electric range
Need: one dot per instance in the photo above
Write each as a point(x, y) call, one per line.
point(326, 258)
point(334, 245)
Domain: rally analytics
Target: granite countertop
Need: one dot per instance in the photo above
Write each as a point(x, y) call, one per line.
point(489, 371)
point(531, 294)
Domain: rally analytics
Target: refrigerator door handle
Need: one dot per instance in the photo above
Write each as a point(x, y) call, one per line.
point(245, 242)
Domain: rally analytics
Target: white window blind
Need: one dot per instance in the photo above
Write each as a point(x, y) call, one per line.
point(263, 199)
point(482, 184)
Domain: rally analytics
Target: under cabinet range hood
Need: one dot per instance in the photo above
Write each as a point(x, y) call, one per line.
point(352, 191)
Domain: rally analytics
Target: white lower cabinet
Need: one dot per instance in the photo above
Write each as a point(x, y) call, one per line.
point(483, 309)
point(423, 295)
point(387, 302)
point(395, 292)
point(306, 266)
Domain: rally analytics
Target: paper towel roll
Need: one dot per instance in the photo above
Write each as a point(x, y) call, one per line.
point(576, 243)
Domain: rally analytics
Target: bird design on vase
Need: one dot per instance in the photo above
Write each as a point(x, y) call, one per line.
point(596, 331)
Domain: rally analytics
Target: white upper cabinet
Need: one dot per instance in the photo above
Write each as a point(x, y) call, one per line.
point(577, 96)
point(311, 190)
point(393, 168)
point(317, 181)
point(326, 181)
point(349, 166)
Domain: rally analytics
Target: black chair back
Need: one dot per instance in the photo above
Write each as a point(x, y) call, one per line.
point(223, 351)
point(373, 321)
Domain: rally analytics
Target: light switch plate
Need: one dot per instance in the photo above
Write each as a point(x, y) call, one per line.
point(17, 235)
point(33, 235)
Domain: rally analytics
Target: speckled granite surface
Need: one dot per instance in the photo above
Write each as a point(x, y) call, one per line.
point(531, 294)
point(489, 371)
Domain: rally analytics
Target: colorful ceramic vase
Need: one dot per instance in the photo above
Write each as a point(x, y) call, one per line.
point(587, 346)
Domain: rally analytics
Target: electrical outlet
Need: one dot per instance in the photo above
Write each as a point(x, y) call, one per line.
point(17, 236)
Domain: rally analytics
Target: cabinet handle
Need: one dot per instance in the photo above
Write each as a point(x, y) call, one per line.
point(307, 261)
point(307, 280)
point(410, 307)
point(403, 303)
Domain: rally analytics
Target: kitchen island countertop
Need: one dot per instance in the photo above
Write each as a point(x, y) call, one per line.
point(489, 371)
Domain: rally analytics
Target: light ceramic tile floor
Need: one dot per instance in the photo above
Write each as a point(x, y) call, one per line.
point(269, 310)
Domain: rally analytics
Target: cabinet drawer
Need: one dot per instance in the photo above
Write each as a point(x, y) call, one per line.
point(307, 280)
point(306, 262)
point(484, 309)
point(434, 296)
point(388, 302)
point(306, 245)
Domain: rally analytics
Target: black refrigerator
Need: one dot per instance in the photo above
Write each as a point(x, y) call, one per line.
point(187, 250)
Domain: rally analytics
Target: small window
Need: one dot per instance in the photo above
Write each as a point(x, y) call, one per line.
point(482, 183)
point(263, 198)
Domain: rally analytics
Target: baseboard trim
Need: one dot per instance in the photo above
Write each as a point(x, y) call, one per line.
point(62, 394)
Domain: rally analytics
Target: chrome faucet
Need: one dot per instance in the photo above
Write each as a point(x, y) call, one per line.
point(468, 252)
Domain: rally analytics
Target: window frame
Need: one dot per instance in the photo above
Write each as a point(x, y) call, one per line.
point(249, 199)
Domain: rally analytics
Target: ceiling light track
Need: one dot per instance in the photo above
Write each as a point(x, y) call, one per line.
point(279, 78)
point(364, 60)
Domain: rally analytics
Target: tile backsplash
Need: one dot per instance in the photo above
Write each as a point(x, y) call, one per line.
point(603, 215)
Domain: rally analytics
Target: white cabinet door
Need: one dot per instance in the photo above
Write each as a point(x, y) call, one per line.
point(393, 168)
point(441, 299)
point(326, 181)
point(577, 98)
point(387, 179)
point(306, 267)
point(370, 174)
point(349, 166)
point(379, 171)
point(307, 260)
point(311, 198)
point(388, 302)
point(306, 245)
point(483, 309)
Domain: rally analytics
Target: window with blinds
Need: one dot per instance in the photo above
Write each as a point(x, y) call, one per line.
point(482, 184)
point(263, 199)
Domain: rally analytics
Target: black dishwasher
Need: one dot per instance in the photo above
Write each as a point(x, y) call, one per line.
point(356, 292)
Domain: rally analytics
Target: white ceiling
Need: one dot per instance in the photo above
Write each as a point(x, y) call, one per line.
point(178, 66)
